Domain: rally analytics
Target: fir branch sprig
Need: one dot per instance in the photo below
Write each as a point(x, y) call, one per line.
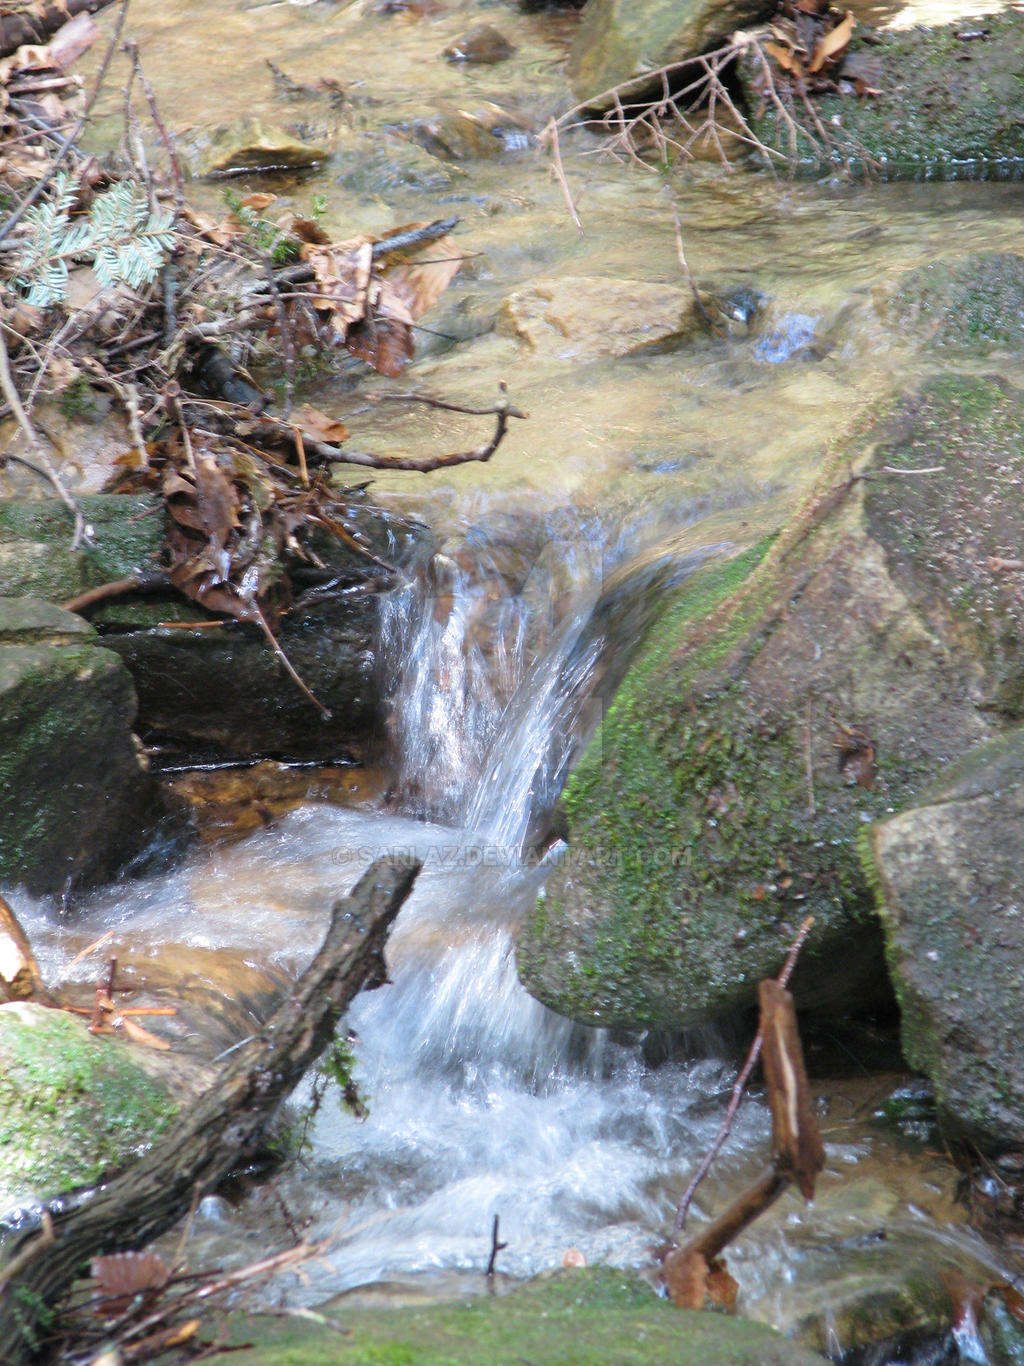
point(121, 238)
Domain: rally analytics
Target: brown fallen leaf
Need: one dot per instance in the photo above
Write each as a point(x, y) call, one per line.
point(786, 58)
point(833, 43)
point(124, 1274)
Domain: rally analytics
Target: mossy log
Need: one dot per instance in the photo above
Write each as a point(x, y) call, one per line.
point(37, 1267)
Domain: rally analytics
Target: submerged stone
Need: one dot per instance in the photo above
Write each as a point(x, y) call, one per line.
point(583, 318)
point(764, 726)
point(248, 144)
point(969, 304)
point(592, 1317)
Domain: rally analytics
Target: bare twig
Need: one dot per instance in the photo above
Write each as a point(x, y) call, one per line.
point(45, 467)
point(72, 137)
point(738, 1087)
point(496, 1247)
point(550, 134)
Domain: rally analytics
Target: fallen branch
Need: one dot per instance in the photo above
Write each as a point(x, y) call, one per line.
point(693, 1273)
point(218, 1131)
point(738, 1087)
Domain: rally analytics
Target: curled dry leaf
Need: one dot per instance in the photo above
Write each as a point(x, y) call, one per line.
point(832, 44)
point(786, 58)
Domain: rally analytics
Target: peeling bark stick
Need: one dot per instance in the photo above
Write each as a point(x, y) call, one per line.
point(739, 1085)
point(202, 1148)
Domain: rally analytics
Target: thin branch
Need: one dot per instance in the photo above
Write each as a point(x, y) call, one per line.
point(72, 137)
point(45, 467)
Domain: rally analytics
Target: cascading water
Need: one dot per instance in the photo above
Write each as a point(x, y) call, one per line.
point(481, 1102)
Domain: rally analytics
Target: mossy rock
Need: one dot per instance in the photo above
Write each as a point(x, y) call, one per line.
point(945, 109)
point(762, 728)
point(964, 305)
point(619, 40)
point(592, 1317)
point(950, 879)
point(222, 689)
point(75, 800)
point(73, 1108)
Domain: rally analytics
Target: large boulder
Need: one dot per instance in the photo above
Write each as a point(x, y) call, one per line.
point(75, 798)
point(765, 726)
point(619, 40)
point(940, 108)
point(950, 879)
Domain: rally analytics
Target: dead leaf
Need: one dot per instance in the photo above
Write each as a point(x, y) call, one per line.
point(384, 343)
point(342, 274)
point(128, 1273)
point(19, 973)
point(312, 422)
point(308, 231)
point(686, 1278)
point(785, 58)
point(420, 282)
point(833, 43)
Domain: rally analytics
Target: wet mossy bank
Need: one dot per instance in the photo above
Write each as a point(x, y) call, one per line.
point(592, 1317)
point(942, 104)
point(766, 726)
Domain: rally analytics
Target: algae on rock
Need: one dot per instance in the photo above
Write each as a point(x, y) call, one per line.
point(73, 1108)
point(753, 740)
point(592, 1317)
point(941, 112)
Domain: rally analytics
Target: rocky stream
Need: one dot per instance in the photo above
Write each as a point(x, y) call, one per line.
point(755, 584)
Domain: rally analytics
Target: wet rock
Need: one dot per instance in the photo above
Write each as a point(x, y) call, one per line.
point(619, 40)
point(483, 44)
point(968, 305)
point(583, 318)
point(596, 1315)
point(221, 688)
point(485, 132)
point(941, 112)
point(249, 145)
point(379, 164)
point(769, 721)
point(75, 1108)
point(75, 799)
point(951, 893)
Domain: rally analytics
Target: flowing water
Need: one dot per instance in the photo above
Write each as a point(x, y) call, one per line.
point(496, 664)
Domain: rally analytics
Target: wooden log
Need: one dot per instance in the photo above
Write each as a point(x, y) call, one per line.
point(37, 1267)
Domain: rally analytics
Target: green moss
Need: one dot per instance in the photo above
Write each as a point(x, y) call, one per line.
point(35, 544)
point(72, 1107)
point(942, 112)
point(969, 431)
point(594, 1317)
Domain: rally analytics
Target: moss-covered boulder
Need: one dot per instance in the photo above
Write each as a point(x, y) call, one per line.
point(621, 40)
point(945, 109)
point(950, 879)
point(763, 728)
point(592, 1317)
point(199, 687)
point(73, 1108)
point(75, 797)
